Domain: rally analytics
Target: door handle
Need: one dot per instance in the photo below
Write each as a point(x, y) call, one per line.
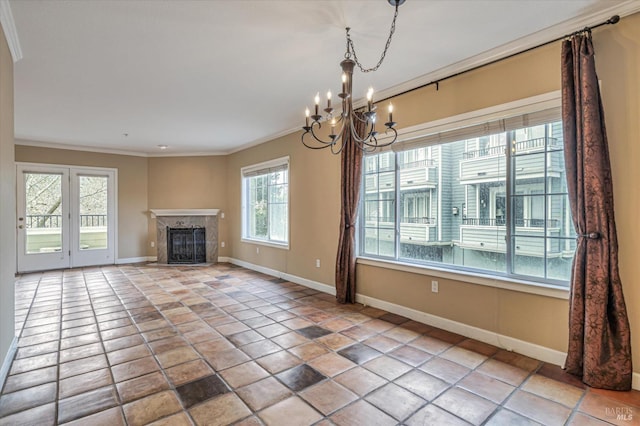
point(20, 226)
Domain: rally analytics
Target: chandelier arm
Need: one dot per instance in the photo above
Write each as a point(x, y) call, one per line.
point(382, 145)
point(386, 47)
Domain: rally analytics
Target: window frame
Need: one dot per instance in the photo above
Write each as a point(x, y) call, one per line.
point(264, 169)
point(409, 138)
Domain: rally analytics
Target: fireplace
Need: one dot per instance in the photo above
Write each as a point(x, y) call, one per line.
point(206, 219)
point(186, 245)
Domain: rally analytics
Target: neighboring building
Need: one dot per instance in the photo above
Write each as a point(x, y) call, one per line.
point(453, 204)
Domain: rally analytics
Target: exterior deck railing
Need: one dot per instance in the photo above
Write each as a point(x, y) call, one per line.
point(55, 220)
point(525, 223)
point(528, 145)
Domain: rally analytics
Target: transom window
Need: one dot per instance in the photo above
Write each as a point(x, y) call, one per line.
point(265, 202)
point(493, 203)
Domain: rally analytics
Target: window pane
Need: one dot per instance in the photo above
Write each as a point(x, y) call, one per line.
point(448, 204)
point(43, 219)
point(93, 212)
point(266, 201)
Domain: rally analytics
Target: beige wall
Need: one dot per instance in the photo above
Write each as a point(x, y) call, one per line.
point(189, 183)
point(537, 319)
point(132, 190)
point(7, 203)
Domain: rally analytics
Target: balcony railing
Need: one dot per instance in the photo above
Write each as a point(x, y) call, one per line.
point(419, 220)
point(524, 223)
point(428, 162)
point(55, 220)
point(528, 145)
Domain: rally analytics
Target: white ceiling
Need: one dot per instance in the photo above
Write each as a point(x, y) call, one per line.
point(215, 76)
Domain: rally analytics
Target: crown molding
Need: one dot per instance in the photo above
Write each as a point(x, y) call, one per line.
point(626, 8)
point(54, 145)
point(10, 32)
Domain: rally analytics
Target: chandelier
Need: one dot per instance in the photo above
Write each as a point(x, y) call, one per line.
point(345, 124)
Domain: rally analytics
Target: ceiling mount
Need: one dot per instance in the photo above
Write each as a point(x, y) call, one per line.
point(396, 3)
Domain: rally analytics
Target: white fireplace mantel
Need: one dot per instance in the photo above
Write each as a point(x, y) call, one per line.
point(184, 212)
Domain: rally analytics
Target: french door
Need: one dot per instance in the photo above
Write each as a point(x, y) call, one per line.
point(66, 217)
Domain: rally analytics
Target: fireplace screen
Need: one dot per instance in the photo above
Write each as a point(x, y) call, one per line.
point(186, 245)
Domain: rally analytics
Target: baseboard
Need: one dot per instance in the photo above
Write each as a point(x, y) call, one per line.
point(273, 272)
point(505, 342)
point(8, 359)
point(136, 260)
point(529, 349)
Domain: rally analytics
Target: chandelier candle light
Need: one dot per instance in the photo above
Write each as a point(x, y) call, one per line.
point(348, 117)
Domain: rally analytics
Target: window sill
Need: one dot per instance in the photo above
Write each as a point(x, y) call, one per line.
point(522, 286)
point(284, 246)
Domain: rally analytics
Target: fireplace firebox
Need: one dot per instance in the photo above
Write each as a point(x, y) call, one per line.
point(186, 245)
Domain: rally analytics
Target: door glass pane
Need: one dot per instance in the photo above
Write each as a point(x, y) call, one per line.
point(43, 212)
point(93, 212)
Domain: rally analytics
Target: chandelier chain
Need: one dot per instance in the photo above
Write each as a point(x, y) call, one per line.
point(384, 52)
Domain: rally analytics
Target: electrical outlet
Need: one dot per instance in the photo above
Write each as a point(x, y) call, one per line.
point(153, 243)
point(434, 286)
point(222, 244)
point(317, 263)
point(222, 215)
point(257, 250)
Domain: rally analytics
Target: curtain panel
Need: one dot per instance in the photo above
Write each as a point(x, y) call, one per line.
point(351, 175)
point(599, 338)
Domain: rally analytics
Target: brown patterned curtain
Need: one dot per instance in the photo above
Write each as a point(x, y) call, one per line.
point(599, 338)
point(351, 166)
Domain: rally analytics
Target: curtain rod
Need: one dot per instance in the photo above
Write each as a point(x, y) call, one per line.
point(611, 21)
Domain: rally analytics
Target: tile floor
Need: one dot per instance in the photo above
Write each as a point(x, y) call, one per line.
point(224, 345)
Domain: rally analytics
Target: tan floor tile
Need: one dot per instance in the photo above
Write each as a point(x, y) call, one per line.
point(466, 405)
point(142, 386)
point(177, 356)
point(607, 409)
point(331, 364)
point(226, 359)
point(243, 374)
point(434, 415)
point(507, 417)
point(33, 363)
point(537, 408)
point(30, 378)
point(78, 352)
point(38, 416)
point(128, 354)
point(131, 369)
point(279, 361)
point(505, 372)
point(328, 396)
point(382, 343)
point(430, 344)
point(188, 372)
point(422, 384)
point(463, 357)
point(180, 419)
point(211, 347)
point(123, 343)
point(387, 367)
point(580, 419)
point(220, 411)
point(337, 324)
point(293, 411)
point(27, 398)
point(263, 393)
point(362, 413)
point(84, 404)
point(289, 340)
point(308, 351)
point(84, 382)
point(561, 393)
point(151, 408)
point(360, 380)
point(479, 347)
point(111, 417)
point(335, 341)
point(396, 401)
point(486, 386)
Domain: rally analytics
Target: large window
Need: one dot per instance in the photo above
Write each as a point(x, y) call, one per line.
point(265, 202)
point(494, 203)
